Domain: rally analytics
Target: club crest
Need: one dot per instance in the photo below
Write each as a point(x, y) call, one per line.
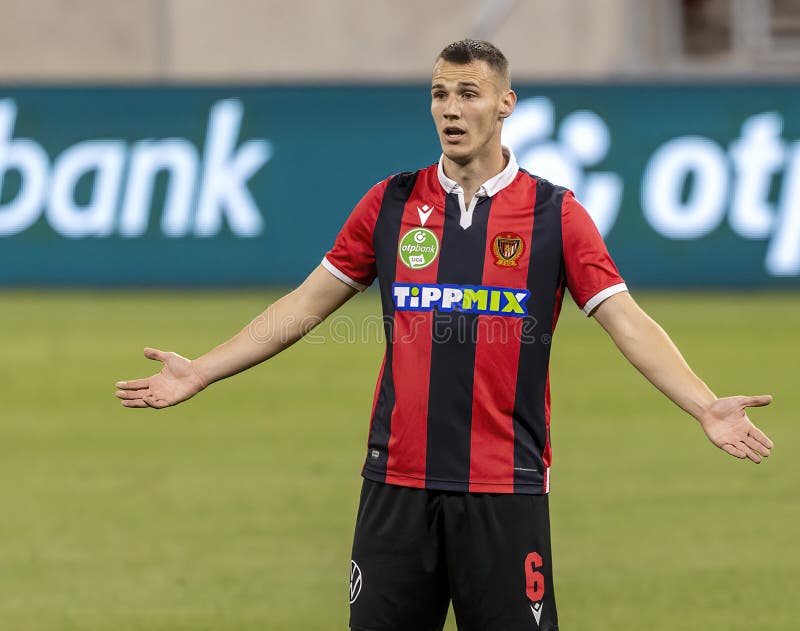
point(507, 247)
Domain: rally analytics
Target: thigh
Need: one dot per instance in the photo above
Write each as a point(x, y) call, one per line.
point(398, 577)
point(499, 562)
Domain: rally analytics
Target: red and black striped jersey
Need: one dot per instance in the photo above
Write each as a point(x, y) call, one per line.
point(471, 295)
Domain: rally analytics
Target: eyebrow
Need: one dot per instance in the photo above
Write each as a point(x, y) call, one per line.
point(461, 84)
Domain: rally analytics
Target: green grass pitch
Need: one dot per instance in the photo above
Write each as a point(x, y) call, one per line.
point(235, 510)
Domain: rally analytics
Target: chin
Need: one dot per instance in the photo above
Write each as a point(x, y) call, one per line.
point(457, 154)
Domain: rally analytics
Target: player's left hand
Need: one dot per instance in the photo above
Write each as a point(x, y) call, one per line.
point(727, 426)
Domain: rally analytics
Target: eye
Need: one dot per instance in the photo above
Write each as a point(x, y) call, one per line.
point(469, 95)
point(439, 95)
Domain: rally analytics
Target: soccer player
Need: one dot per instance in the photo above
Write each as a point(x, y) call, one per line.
point(472, 256)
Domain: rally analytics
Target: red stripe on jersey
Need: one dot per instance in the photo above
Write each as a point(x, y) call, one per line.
point(352, 252)
point(411, 351)
point(588, 266)
point(498, 346)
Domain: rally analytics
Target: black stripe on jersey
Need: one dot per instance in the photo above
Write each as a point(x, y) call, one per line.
point(545, 271)
point(384, 240)
point(453, 350)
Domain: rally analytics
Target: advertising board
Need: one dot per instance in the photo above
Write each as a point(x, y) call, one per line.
point(691, 185)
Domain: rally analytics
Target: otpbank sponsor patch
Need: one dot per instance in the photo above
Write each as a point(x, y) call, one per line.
point(505, 301)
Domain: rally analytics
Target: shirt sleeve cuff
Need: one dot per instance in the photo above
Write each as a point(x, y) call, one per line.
point(341, 275)
point(602, 295)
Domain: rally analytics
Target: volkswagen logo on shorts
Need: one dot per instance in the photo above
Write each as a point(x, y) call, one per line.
point(355, 581)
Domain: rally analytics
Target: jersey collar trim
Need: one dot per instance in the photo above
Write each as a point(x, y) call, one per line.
point(490, 187)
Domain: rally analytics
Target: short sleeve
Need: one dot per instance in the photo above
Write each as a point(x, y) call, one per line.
point(591, 274)
point(352, 257)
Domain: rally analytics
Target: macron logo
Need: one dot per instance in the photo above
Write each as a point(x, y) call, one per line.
point(424, 213)
point(536, 610)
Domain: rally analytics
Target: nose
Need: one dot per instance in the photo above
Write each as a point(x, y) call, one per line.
point(451, 110)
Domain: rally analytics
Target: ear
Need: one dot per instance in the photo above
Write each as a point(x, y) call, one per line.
point(507, 102)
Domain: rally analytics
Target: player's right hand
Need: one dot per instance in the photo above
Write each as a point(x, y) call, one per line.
point(177, 381)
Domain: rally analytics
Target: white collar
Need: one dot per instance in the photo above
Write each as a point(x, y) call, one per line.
point(490, 187)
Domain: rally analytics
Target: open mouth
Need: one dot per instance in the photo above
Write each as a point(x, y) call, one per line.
point(453, 133)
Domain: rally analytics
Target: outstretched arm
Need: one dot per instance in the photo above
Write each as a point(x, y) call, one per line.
point(279, 326)
point(650, 349)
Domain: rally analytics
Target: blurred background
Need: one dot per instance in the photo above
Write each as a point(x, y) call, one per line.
point(169, 167)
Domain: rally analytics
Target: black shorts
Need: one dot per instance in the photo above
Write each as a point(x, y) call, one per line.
point(414, 550)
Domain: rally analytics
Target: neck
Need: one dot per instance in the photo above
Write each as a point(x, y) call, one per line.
point(470, 175)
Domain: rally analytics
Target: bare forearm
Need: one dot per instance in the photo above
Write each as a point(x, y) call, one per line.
point(648, 347)
point(278, 327)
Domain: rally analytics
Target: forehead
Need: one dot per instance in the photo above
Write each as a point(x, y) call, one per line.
point(477, 71)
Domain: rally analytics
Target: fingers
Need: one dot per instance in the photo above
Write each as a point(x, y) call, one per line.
point(756, 446)
point(135, 393)
point(757, 402)
point(154, 353)
point(741, 450)
point(761, 437)
point(138, 384)
point(154, 403)
point(733, 451)
point(136, 403)
point(131, 398)
point(129, 395)
point(133, 384)
point(752, 455)
point(140, 399)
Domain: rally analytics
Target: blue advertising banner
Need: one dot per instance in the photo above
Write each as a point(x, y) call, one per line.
point(690, 185)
